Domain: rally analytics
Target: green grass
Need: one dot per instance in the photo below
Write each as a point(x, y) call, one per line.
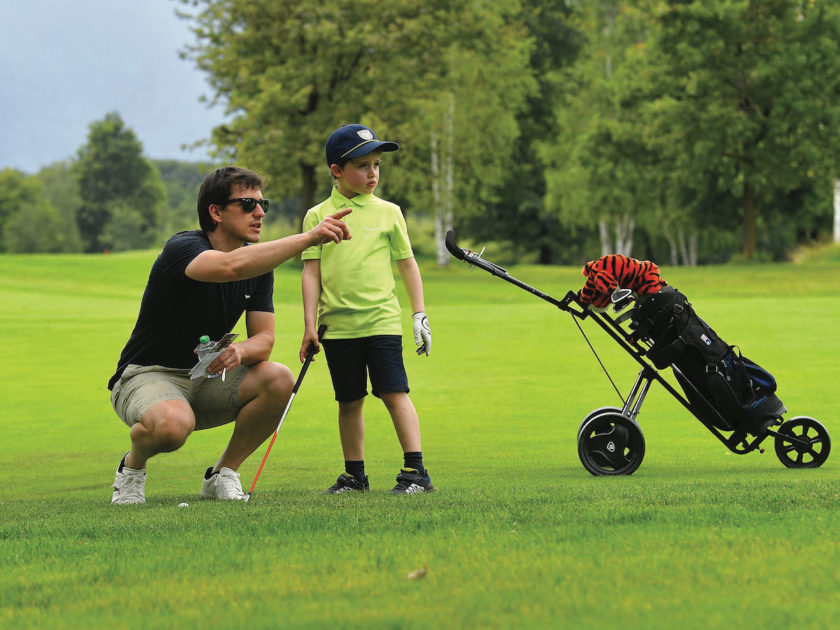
point(519, 535)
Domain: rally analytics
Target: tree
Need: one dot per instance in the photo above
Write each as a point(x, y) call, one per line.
point(28, 221)
point(748, 94)
point(401, 67)
point(600, 166)
point(290, 72)
point(20, 193)
point(37, 230)
point(519, 212)
point(62, 189)
point(465, 137)
point(181, 181)
point(111, 170)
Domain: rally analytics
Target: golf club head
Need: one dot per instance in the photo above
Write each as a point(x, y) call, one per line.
point(247, 497)
point(452, 246)
point(621, 298)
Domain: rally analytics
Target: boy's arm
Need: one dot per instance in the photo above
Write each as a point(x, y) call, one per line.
point(311, 289)
point(410, 273)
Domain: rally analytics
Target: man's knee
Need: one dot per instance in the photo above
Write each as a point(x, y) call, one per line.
point(169, 423)
point(267, 377)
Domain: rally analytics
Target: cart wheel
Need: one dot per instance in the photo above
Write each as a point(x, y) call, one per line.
point(596, 412)
point(611, 444)
point(814, 447)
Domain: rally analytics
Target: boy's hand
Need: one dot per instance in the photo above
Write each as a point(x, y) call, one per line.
point(332, 228)
point(422, 333)
point(310, 339)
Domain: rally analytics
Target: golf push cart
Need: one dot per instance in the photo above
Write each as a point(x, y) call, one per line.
point(610, 440)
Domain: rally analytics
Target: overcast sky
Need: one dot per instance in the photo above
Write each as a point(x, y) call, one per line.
point(65, 64)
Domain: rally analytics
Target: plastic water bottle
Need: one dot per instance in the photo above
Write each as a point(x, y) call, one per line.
point(205, 345)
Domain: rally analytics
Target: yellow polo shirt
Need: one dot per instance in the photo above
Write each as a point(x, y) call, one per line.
point(357, 281)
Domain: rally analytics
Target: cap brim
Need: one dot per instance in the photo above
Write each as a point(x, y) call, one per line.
point(370, 147)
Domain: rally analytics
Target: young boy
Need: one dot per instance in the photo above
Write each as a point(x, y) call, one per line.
point(351, 290)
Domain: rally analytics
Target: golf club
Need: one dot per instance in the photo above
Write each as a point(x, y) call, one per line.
point(310, 353)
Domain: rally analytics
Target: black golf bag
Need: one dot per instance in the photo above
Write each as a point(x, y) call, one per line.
point(724, 387)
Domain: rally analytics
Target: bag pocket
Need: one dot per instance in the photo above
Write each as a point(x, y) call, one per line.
point(663, 355)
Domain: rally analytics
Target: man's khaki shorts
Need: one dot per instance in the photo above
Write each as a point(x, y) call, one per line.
point(213, 402)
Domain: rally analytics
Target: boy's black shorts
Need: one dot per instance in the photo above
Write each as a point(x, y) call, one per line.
point(350, 361)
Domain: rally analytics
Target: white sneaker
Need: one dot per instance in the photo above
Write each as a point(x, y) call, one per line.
point(223, 485)
point(129, 486)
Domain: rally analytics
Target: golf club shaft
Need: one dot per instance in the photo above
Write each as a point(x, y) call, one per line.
point(309, 355)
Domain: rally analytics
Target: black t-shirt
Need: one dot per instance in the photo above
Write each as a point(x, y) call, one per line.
point(177, 310)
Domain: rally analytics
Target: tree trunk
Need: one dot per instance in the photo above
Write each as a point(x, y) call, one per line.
point(449, 207)
point(436, 200)
point(673, 254)
point(307, 192)
point(444, 204)
point(686, 256)
point(837, 211)
point(545, 255)
point(750, 234)
point(682, 249)
point(693, 238)
point(604, 233)
point(624, 227)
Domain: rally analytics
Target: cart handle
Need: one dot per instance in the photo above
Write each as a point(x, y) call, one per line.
point(475, 259)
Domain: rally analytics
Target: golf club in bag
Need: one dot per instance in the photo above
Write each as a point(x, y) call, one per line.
point(610, 440)
point(310, 353)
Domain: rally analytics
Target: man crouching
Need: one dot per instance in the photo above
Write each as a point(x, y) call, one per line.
point(200, 284)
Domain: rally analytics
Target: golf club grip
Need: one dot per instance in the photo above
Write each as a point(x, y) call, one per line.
point(452, 246)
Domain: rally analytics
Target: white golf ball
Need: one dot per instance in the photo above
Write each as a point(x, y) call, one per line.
point(183, 505)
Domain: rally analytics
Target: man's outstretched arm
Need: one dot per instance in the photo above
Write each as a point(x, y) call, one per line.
point(254, 260)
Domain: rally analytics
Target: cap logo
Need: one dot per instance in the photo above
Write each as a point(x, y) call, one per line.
point(365, 134)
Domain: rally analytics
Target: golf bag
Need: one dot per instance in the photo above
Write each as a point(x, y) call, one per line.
point(724, 387)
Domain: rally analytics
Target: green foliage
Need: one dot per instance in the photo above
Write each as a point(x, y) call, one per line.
point(390, 65)
point(61, 187)
point(519, 211)
point(29, 222)
point(20, 193)
point(36, 230)
point(701, 116)
point(126, 229)
point(111, 169)
point(181, 180)
point(713, 122)
point(479, 46)
point(744, 93)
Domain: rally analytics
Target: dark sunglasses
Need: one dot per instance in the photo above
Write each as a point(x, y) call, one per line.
point(249, 204)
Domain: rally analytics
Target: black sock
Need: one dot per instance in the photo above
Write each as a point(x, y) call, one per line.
point(357, 469)
point(414, 460)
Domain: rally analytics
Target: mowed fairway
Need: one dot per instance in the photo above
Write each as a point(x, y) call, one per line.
point(518, 535)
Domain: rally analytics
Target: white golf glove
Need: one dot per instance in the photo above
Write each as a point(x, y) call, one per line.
point(422, 333)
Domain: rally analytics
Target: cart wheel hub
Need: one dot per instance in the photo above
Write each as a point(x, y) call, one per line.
point(611, 447)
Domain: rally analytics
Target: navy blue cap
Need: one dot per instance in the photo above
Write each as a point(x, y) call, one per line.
point(352, 141)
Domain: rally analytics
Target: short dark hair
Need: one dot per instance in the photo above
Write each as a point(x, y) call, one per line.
point(216, 189)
